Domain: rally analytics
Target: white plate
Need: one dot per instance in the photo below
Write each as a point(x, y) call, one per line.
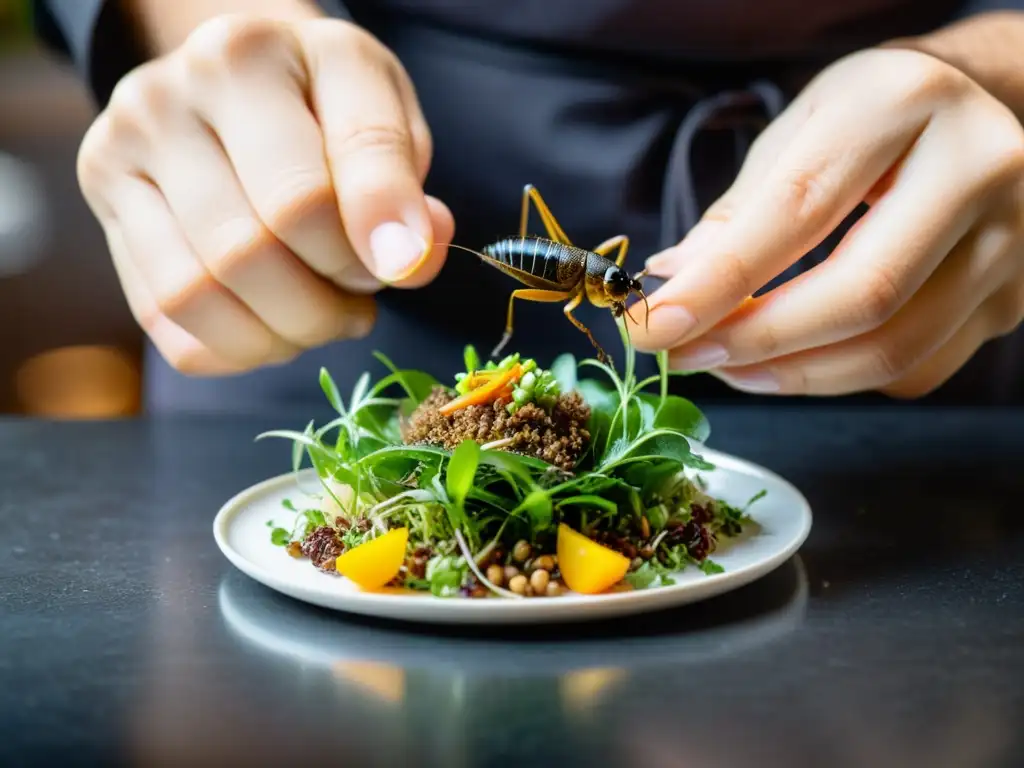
point(782, 517)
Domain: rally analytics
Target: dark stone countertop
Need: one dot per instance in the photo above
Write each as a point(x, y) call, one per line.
point(894, 638)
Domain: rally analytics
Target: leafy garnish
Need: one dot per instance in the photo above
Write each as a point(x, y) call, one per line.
point(467, 505)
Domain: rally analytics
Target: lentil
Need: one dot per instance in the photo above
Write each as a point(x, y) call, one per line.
point(544, 563)
point(521, 551)
point(496, 574)
point(517, 584)
point(539, 580)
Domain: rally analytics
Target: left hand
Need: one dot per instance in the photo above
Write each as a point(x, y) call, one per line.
point(932, 271)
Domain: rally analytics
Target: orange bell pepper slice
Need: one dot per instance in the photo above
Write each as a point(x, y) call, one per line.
point(588, 567)
point(482, 394)
point(376, 562)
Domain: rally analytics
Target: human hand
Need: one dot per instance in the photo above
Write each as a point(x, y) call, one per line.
point(257, 183)
point(930, 273)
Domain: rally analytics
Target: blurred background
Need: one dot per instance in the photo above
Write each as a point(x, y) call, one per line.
point(69, 348)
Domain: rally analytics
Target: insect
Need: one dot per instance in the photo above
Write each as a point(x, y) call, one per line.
point(553, 269)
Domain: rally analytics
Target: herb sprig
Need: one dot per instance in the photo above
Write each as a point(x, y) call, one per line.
point(465, 503)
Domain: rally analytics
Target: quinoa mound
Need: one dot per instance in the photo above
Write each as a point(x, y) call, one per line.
point(558, 438)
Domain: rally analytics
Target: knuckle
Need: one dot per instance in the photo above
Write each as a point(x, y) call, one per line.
point(298, 200)
point(227, 41)
point(92, 162)
point(888, 362)
point(140, 99)
point(736, 275)
point(338, 35)
point(804, 196)
point(926, 82)
point(767, 342)
point(379, 139)
point(178, 302)
point(878, 299)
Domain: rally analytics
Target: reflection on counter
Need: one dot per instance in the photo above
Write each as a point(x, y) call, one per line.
point(428, 692)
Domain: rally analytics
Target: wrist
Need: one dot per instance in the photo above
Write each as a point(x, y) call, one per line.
point(987, 47)
point(160, 26)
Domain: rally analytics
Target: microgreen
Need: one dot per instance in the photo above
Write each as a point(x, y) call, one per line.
point(464, 503)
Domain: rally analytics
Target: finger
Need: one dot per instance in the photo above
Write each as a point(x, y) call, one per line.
point(880, 263)
point(236, 248)
point(827, 169)
point(763, 154)
point(1000, 314)
point(882, 356)
point(179, 348)
point(370, 152)
point(183, 289)
point(274, 143)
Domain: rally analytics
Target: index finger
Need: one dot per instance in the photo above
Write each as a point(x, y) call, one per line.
point(368, 139)
point(828, 167)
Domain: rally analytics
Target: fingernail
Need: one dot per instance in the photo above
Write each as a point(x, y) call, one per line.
point(699, 356)
point(750, 381)
point(396, 250)
point(668, 325)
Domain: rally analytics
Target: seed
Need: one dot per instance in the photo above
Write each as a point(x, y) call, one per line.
point(478, 591)
point(518, 584)
point(544, 562)
point(646, 551)
point(521, 551)
point(645, 528)
point(496, 574)
point(539, 580)
point(511, 572)
point(554, 589)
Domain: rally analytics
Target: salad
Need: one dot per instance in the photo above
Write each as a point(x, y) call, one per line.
point(511, 480)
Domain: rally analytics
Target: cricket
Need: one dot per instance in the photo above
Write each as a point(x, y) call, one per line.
point(554, 270)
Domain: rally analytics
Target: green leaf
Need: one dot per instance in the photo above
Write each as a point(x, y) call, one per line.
point(359, 390)
point(590, 501)
point(657, 444)
point(417, 384)
point(538, 505)
point(563, 369)
point(280, 537)
point(461, 469)
point(710, 567)
point(470, 358)
point(679, 414)
point(331, 390)
point(642, 577)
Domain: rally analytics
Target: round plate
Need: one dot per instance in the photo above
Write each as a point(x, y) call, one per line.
point(782, 522)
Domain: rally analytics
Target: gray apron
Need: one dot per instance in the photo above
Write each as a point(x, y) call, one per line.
point(630, 116)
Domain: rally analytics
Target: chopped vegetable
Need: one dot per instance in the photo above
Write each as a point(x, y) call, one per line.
point(375, 563)
point(558, 483)
point(484, 393)
point(588, 567)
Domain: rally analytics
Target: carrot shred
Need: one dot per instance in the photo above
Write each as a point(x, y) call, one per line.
point(485, 393)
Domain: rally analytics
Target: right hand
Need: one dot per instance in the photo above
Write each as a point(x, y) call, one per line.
point(256, 184)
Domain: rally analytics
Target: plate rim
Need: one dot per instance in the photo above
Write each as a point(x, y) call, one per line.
point(411, 608)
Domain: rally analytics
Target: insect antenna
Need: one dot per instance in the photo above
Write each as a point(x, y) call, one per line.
point(467, 250)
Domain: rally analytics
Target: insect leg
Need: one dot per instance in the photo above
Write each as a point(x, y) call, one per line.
point(529, 294)
point(551, 224)
point(619, 241)
point(572, 305)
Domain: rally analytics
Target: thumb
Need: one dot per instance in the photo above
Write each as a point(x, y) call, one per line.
point(368, 140)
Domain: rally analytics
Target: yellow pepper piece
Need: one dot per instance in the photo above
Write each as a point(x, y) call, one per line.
point(375, 563)
point(588, 567)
